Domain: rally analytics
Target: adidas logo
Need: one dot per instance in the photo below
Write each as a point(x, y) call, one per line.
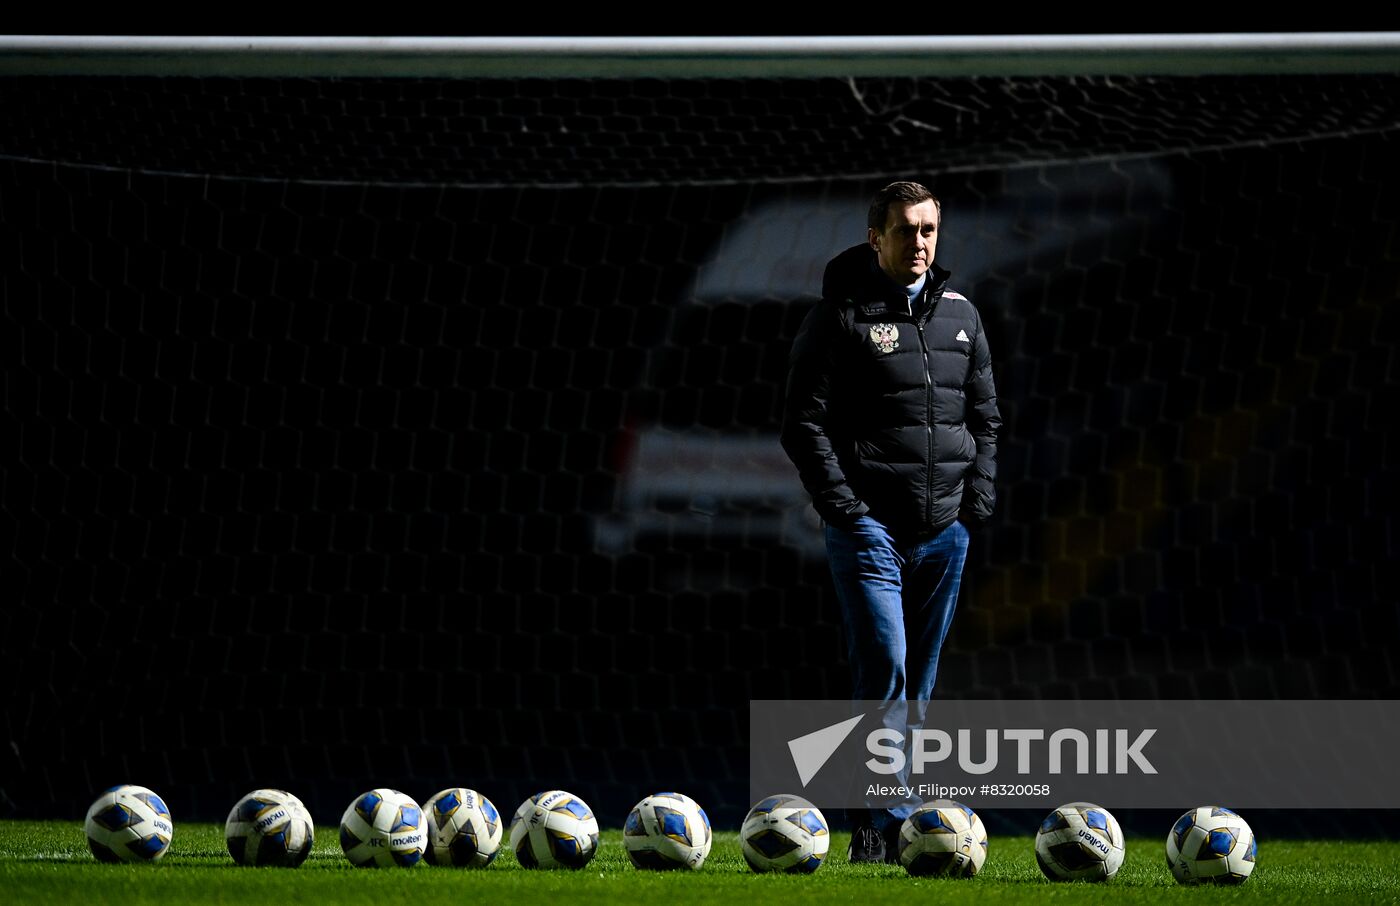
point(962, 335)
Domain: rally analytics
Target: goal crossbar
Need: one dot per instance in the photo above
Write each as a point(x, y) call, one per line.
point(682, 57)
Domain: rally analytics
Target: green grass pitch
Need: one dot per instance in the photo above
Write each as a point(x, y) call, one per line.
point(49, 862)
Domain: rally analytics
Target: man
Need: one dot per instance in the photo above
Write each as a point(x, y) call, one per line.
point(891, 419)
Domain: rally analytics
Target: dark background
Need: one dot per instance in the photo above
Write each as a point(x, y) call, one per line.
point(317, 391)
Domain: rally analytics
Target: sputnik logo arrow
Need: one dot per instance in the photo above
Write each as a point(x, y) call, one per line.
point(812, 751)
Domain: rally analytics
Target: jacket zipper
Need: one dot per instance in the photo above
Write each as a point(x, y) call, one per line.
point(928, 431)
point(928, 412)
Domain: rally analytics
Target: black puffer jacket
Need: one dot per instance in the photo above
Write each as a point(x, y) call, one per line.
point(889, 414)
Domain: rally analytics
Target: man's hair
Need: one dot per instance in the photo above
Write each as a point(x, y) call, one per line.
point(906, 193)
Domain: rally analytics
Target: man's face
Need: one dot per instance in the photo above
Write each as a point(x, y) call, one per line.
point(905, 246)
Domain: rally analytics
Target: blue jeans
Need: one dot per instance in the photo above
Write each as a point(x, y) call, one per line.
point(897, 597)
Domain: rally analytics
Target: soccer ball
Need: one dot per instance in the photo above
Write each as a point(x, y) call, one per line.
point(554, 829)
point(784, 833)
point(943, 838)
point(667, 830)
point(464, 829)
point(1079, 842)
point(1211, 845)
point(128, 824)
point(269, 827)
point(383, 828)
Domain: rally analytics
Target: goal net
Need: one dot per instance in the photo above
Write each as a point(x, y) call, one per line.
point(420, 431)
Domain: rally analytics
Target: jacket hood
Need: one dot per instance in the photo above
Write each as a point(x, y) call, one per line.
point(855, 274)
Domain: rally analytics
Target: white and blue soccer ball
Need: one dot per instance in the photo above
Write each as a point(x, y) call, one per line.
point(943, 839)
point(666, 831)
point(128, 823)
point(464, 829)
point(383, 828)
point(269, 827)
point(785, 833)
point(1079, 841)
point(1211, 845)
point(554, 829)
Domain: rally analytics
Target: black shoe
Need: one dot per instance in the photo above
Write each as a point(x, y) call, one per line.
point(867, 845)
